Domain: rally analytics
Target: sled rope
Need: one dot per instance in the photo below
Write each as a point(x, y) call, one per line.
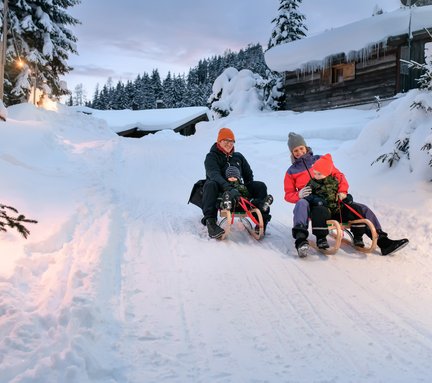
point(349, 208)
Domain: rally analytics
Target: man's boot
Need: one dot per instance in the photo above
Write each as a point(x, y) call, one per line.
point(214, 230)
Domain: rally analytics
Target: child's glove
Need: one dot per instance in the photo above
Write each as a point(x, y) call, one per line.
point(341, 196)
point(348, 199)
point(303, 193)
point(235, 195)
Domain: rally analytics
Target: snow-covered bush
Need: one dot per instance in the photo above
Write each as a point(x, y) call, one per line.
point(421, 113)
point(236, 92)
point(409, 135)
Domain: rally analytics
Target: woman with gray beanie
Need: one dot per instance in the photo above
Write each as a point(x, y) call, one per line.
point(296, 191)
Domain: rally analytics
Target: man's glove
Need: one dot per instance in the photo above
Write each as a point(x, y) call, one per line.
point(234, 195)
point(303, 193)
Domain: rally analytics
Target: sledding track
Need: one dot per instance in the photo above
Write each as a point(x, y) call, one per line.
point(130, 289)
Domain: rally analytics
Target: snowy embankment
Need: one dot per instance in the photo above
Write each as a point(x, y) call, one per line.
point(118, 282)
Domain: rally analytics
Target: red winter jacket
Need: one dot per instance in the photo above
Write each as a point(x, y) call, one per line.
point(297, 177)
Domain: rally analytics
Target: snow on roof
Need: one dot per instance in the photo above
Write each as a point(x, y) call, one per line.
point(148, 119)
point(312, 52)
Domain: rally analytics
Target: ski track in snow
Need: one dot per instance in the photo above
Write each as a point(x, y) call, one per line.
point(157, 301)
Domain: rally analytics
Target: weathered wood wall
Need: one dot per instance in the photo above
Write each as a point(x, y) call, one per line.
point(377, 76)
point(374, 77)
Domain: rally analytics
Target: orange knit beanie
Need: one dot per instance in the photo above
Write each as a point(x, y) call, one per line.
point(225, 134)
point(324, 165)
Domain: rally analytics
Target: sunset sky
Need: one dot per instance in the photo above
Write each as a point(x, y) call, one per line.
point(123, 39)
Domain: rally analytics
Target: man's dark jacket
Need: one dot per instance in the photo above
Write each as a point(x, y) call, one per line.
point(216, 163)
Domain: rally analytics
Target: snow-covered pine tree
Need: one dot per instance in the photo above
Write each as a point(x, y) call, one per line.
point(289, 24)
point(17, 222)
point(39, 34)
point(79, 95)
point(423, 103)
point(273, 90)
point(191, 90)
point(156, 84)
point(168, 91)
point(179, 91)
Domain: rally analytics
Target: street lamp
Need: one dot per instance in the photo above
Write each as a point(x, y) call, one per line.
point(3, 49)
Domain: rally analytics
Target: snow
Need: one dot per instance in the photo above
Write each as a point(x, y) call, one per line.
point(3, 111)
point(236, 92)
point(354, 39)
point(119, 282)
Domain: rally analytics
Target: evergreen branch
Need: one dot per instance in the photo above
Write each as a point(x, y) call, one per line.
point(14, 222)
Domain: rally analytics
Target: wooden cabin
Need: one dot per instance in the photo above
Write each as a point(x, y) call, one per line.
point(186, 129)
point(139, 123)
point(357, 77)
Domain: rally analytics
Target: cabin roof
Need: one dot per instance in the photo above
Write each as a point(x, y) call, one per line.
point(148, 120)
point(356, 40)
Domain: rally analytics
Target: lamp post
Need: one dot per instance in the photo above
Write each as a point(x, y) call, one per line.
point(3, 49)
point(35, 74)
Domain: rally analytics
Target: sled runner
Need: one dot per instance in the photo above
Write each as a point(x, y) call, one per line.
point(341, 234)
point(248, 214)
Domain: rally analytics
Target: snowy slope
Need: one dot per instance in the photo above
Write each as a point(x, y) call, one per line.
point(118, 282)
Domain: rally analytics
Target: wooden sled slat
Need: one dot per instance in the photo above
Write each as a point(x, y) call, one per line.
point(374, 234)
point(336, 232)
point(227, 218)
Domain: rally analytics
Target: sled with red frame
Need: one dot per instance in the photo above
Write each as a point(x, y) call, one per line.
point(248, 214)
point(341, 233)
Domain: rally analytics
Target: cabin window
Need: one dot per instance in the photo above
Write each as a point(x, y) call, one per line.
point(342, 72)
point(337, 75)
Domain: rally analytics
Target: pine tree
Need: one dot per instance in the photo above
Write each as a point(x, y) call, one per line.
point(156, 84)
point(192, 89)
point(179, 88)
point(79, 95)
point(168, 91)
point(288, 25)
point(41, 37)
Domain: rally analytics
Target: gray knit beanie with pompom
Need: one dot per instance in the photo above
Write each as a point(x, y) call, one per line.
point(295, 140)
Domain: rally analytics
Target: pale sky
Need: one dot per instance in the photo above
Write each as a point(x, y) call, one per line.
point(123, 39)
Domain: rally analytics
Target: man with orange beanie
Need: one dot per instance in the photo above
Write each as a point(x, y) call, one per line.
point(221, 156)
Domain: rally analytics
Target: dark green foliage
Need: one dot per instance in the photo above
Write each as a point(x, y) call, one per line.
point(401, 149)
point(193, 89)
point(14, 222)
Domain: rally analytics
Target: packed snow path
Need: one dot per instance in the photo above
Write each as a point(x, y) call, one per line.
point(120, 283)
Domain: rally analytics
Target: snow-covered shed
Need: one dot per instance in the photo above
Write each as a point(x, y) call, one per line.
point(355, 63)
point(138, 123)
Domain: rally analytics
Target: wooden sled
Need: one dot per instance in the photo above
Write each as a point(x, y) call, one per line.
point(228, 218)
point(340, 233)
